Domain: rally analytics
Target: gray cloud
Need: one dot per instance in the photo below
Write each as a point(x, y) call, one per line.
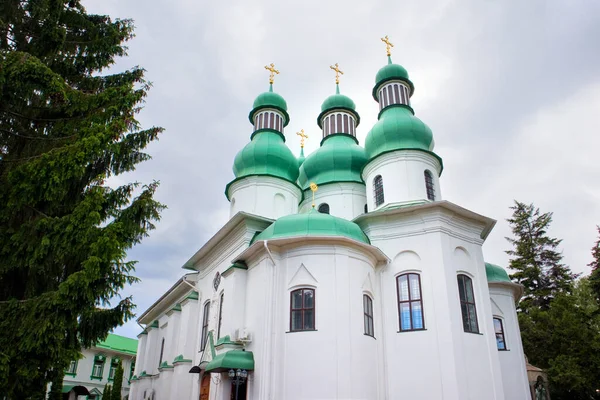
point(509, 88)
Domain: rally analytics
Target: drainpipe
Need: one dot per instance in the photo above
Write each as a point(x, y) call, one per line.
point(268, 251)
point(189, 284)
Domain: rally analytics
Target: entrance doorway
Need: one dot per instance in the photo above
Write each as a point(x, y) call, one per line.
point(241, 391)
point(205, 387)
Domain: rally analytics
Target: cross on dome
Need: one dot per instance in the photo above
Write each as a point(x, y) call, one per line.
point(272, 72)
point(388, 45)
point(303, 136)
point(338, 72)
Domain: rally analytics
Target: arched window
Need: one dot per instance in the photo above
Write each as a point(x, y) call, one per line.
point(499, 330)
point(204, 337)
point(324, 208)
point(410, 302)
point(162, 350)
point(302, 310)
point(429, 185)
point(467, 304)
point(378, 190)
point(366, 209)
point(368, 315)
point(220, 315)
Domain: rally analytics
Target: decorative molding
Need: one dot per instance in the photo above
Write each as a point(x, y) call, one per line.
point(302, 277)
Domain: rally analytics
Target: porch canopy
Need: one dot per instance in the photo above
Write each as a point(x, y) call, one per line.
point(232, 359)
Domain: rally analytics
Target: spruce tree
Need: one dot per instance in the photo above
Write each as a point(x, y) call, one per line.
point(534, 258)
point(67, 124)
point(117, 383)
point(595, 265)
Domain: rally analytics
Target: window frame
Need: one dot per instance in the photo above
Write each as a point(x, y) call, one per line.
point(467, 303)
point(72, 371)
point(162, 351)
point(410, 302)
point(429, 185)
point(368, 319)
point(501, 333)
point(100, 360)
point(221, 298)
point(378, 194)
point(114, 364)
point(303, 309)
point(205, 315)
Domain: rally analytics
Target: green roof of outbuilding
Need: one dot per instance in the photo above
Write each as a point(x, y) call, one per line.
point(119, 343)
point(496, 273)
point(269, 99)
point(266, 154)
point(339, 159)
point(232, 359)
point(391, 72)
point(312, 223)
point(398, 129)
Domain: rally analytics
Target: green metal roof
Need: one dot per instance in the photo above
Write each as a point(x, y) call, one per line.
point(266, 154)
point(496, 273)
point(312, 223)
point(119, 343)
point(339, 159)
point(269, 99)
point(232, 359)
point(301, 158)
point(338, 101)
point(398, 129)
point(391, 72)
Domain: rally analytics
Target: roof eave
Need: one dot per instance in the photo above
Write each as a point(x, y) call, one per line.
point(516, 288)
point(179, 289)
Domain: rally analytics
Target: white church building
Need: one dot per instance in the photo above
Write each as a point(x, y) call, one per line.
point(370, 287)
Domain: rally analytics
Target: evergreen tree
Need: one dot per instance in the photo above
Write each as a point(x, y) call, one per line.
point(57, 384)
point(535, 259)
point(564, 340)
point(117, 383)
point(66, 125)
point(595, 265)
point(107, 392)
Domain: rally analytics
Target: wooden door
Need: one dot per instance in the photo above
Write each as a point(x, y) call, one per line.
point(205, 387)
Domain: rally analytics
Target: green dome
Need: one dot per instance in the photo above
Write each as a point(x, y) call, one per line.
point(337, 101)
point(301, 158)
point(391, 72)
point(270, 99)
point(266, 154)
point(339, 159)
point(312, 223)
point(496, 273)
point(398, 129)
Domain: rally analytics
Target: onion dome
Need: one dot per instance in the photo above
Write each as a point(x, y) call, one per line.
point(312, 223)
point(269, 101)
point(495, 273)
point(397, 127)
point(301, 158)
point(267, 153)
point(339, 159)
point(338, 101)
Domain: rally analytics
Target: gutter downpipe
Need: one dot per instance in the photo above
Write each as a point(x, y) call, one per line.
point(268, 251)
point(189, 284)
point(267, 391)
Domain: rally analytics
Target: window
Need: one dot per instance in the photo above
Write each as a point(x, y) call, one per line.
point(410, 303)
point(162, 350)
point(98, 367)
point(131, 368)
point(324, 208)
point(368, 315)
point(429, 185)
point(220, 315)
point(467, 304)
point(366, 209)
point(302, 310)
point(72, 368)
point(499, 329)
point(378, 190)
point(204, 325)
point(114, 364)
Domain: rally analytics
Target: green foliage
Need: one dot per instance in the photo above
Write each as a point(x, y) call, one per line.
point(107, 392)
point(66, 126)
point(57, 384)
point(564, 339)
point(535, 259)
point(595, 265)
point(117, 383)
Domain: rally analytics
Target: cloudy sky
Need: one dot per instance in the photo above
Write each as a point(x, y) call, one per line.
point(511, 90)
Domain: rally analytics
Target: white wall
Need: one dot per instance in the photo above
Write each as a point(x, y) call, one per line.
point(403, 177)
point(265, 196)
point(512, 361)
point(346, 199)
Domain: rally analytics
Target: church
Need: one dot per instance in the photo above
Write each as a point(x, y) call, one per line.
point(342, 274)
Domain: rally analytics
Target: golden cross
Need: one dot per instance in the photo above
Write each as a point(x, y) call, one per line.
point(302, 137)
point(273, 71)
point(338, 72)
point(313, 187)
point(388, 45)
